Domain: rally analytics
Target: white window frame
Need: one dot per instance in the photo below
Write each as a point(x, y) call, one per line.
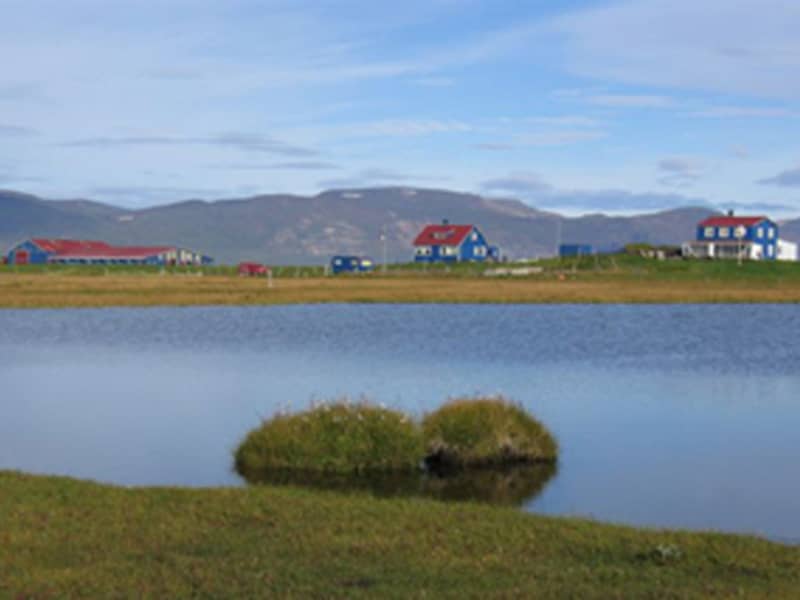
point(771, 233)
point(708, 232)
point(724, 232)
point(770, 251)
point(424, 251)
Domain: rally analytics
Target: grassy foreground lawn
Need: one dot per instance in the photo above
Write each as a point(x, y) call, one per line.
point(604, 280)
point(66, 538)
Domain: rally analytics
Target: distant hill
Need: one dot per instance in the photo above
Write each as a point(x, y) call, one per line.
point(287, 229)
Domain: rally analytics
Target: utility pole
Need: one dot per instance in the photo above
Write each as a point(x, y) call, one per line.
point(558, 236)
point(383, 241)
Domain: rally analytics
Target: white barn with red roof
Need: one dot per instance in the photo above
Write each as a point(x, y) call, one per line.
point(453, 243)
point(38, 251)
point(739, 237)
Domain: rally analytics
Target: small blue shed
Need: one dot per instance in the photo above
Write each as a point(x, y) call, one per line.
point(571, 250)
point(351, 264)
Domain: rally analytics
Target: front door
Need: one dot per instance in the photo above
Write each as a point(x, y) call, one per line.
point(21, 257)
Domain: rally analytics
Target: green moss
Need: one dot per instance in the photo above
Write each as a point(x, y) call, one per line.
point(338, 437)
point(470, 432)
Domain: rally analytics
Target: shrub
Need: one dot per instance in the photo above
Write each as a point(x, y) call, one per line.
point(472, 432)
point(337, 437)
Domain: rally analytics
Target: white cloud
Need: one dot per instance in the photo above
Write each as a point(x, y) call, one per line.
point(558, 138)
point(630, 101)
point(746, 47)
point(434, 81)
point(740, 112)
point(679, 171)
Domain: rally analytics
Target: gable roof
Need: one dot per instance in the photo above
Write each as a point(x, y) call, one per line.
point(116, 252)
point(443, 235)
point(732, 221)
point(60, 246)
point(96, 249)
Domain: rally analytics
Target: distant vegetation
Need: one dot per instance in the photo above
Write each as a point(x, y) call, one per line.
point(346, 437)
point(478, 432)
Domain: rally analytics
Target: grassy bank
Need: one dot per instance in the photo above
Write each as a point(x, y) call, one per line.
point(65, 538)
point(605, 280)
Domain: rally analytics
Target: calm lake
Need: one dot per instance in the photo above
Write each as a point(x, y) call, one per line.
point(673, 416)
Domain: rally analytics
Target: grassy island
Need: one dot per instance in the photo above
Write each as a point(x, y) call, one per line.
point(482, 432)
point(61, 538)
point(362, 438)
point(336, 437)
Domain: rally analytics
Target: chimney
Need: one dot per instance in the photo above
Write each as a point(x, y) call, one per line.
point(730, 213)
point(445, 221)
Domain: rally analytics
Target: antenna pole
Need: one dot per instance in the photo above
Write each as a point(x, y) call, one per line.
point(383, 240)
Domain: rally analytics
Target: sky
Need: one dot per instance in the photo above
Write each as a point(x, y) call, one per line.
point(574, 106)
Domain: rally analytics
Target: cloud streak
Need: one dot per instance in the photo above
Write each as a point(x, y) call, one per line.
point(679, 171)
point(16, 131)
point(246, 142)
point(532, 188)
point(788, 178)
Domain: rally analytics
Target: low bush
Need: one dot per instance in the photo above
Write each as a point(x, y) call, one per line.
point(473, 432)
point(337, 437)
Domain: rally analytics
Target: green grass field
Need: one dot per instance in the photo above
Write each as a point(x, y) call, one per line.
point(65, 538)
point(605, 279)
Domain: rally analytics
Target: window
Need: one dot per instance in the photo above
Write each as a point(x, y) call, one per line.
point(447, 251)
point(771, 233)
point(724, 232)
point(474, 236)
point(760, 232)
point(479, 251)
point(423, 251)
point(708, 232)
point(770, 251)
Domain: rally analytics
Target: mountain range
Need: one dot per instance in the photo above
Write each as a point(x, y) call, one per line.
point(292, 229)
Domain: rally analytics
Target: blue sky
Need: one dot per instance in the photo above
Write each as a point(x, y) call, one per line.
point(621, 107)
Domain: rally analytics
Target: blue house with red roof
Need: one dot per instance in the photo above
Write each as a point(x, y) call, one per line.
point(453, 243)
point(729, 236)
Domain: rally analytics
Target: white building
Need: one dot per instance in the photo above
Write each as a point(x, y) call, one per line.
point(786, 250)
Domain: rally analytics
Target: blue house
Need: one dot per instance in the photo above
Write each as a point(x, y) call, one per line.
point(453, 243)
point(351, 264)
point(754, 238)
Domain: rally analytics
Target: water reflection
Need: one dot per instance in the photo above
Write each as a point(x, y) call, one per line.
point(507, 486)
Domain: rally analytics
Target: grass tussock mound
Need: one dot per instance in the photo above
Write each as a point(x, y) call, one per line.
point(475, 432)
point(337, 437)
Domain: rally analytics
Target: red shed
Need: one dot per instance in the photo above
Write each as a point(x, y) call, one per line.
point(251, 269)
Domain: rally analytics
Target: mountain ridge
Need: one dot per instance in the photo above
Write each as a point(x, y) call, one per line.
point(296, 229)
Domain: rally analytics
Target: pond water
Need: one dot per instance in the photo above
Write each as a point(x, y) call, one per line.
point(676, 416)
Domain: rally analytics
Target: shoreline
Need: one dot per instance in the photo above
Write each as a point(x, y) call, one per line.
point(57, 290)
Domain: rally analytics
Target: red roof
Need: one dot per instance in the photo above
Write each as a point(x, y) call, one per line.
point(95, 249)
point(443, 235)
point(731, 221)
point(59, 246)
